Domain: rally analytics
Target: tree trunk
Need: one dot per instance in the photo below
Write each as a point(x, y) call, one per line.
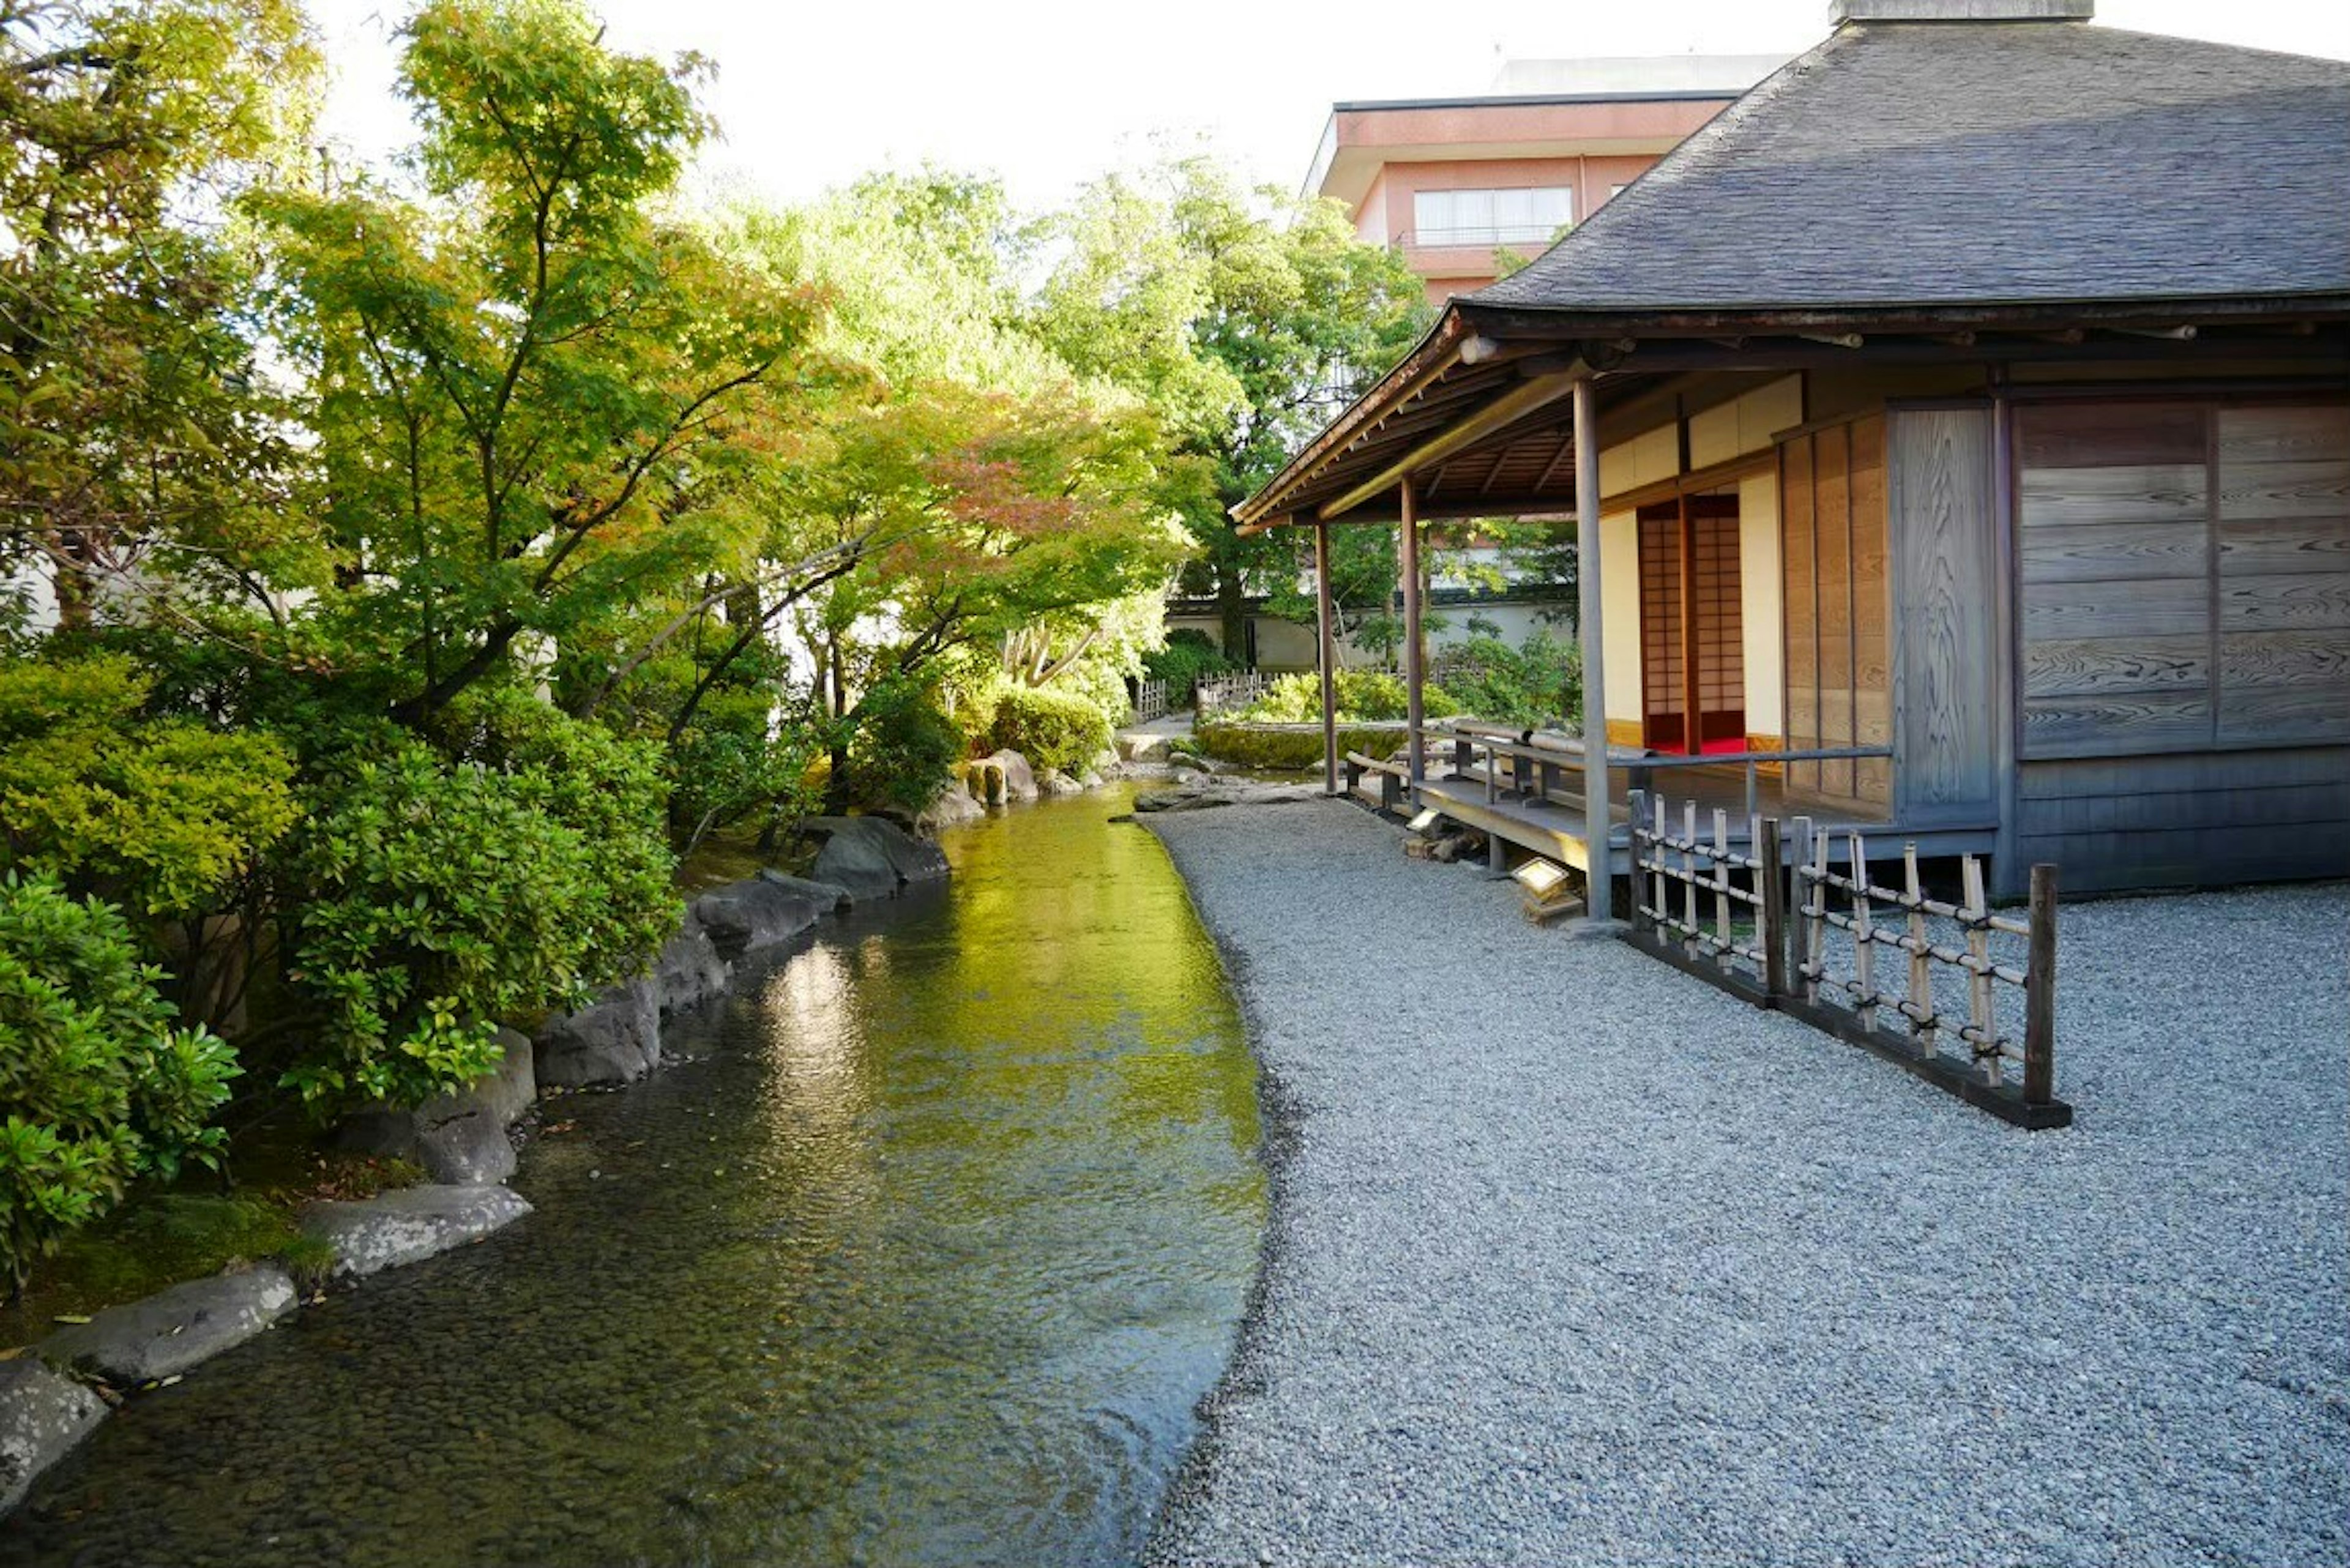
point(1231, 608)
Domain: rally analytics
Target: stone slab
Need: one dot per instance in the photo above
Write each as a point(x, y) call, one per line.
point(408, 1226)
point(172, 1330)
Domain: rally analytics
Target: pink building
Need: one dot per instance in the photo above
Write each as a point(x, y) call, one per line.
point(1451, 181)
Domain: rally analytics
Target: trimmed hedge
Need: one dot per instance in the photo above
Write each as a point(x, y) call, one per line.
point(1048, 728)
point(1288, 749)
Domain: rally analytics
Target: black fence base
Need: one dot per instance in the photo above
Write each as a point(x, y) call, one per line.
point(2006, 1101)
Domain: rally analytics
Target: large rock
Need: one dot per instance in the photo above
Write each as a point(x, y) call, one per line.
point(408, 1226)
point(763, 912)
point(873, 857)
point(1019, 778)
point(689, 971)
point(172, 1330)
point(457, 1136)
point(954, 805)
point(1200, 792)
point(1056, 783)
point(43, 1414)
point(469, 1150)
point(614, 1040)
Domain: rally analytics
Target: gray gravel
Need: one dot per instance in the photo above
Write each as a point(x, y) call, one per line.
point(1575, 1260)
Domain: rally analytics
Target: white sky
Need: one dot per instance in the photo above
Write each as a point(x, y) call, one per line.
point(1049, 93)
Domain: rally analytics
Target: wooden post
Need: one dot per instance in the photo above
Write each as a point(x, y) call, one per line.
point(2040, 991)
point(1325, 639)
point(1596, 818)
point(1636, 810)
point(1816, 909)
point(1663, 888)
point(1690, 877)
point(1863, 938)
point(1982, 1016)
point(1414, 650)
point(1770, 908)
point(1921, 965)
point(1724, 956)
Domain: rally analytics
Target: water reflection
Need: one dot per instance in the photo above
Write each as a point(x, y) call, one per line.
point(925, 1261)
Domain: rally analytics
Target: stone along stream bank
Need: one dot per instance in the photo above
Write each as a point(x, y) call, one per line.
point(923, 1255)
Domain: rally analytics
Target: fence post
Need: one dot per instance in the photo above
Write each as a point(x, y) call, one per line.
point(1770, 906)
point(1636, 807)
point(2040, 991)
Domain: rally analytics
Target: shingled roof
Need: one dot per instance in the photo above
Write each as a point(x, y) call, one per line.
point(1937, 164)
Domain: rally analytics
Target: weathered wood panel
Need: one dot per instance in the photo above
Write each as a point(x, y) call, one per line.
point(2213, 772)
point(2265, 715)
point(2315, 603)
point(1799, 608)
point(2282, 546)
point(2089, 726)
point(2284, 432)
point(2310, 487)
point(2148, 493)
point(2284, 658)
point(2283, 806)
point(2114, 552)
point(1872, 652)
point(2113, 435)
point(1945, 576)
point(2115, 587)
point(2134, 608)
point(2108, 860)
point(2283, 589)
point(2060, 666)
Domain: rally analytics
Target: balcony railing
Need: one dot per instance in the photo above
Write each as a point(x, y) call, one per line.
point(1486, 238)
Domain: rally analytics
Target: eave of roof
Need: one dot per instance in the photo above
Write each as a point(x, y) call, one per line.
point(2208, 91)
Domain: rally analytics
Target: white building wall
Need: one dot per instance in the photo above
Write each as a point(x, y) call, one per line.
point(1759, 609)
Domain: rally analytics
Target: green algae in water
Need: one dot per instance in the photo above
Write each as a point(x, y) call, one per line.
point(925, 1257)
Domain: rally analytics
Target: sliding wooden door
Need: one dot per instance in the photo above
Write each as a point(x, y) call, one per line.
point(1692, 657)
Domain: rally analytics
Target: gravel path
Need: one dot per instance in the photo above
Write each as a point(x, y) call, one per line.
point(1577, 1261)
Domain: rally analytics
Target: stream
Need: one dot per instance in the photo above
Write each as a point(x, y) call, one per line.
point(924, 1256)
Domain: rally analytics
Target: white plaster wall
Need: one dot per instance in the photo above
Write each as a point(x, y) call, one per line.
point(1285, 645)
point(1652, 455)
point(1759, 604)
point(1768, 409)
point(1619, 612)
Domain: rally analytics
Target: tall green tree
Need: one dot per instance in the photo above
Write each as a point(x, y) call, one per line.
point(131, 425)
point(1246, 318)
point(529, 384)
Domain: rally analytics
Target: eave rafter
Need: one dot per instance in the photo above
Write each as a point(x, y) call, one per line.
point(1458, 416)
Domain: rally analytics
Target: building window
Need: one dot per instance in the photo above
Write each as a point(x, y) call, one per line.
point(1527, 216)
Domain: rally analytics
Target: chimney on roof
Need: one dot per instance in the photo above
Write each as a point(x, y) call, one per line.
point(1843, 11)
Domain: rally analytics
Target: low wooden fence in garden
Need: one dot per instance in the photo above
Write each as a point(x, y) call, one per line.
point(1222, 693)
point(1149, 702)
point(1778, 924)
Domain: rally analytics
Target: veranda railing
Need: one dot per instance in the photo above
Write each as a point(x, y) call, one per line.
point(1798, 935)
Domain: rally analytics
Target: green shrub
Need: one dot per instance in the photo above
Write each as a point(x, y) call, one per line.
point(1051, 729)
point(97, 1087)
point(904, 750)
point(1365, 696)
point(437, 899)
point(609, 791)
point(1288, 750)
point(157, 813)
point(1190, 657)
point(1537, 683)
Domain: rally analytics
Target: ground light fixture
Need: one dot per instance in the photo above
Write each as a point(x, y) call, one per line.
point(1546, 889)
